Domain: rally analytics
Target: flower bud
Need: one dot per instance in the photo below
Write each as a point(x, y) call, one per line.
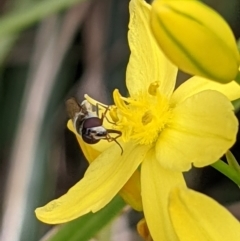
point(195, 38)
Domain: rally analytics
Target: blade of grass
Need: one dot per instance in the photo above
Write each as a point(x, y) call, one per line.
point(46, 63)
point(23, 151)
point(18, 20)
point(7, 41)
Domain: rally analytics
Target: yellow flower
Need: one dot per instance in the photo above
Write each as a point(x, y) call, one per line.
point(164, 132)
point(195, 38)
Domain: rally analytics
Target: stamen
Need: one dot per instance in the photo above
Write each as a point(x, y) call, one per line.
point(117, 99)
point(94, 102)
point(147, 117)
point(113, 113)
point(152, 89)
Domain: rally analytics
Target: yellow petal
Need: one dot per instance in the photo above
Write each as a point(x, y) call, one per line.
point(101, 182)
point(195, 38)
point(202, 129)
point(197, 84)
point(198, 217)
point(131, 192)
point(156, 185)
point(147, 63)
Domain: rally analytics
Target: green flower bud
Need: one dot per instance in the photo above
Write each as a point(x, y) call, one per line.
point(195, 38)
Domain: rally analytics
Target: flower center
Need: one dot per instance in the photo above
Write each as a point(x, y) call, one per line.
point(143, 117)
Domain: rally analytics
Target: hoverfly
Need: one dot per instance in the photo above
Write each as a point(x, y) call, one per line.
point(88, 124)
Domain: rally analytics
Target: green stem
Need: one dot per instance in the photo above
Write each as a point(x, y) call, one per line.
point(232, 162)
point(228, 171)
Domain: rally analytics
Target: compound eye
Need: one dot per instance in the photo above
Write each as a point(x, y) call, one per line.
point(92, 122)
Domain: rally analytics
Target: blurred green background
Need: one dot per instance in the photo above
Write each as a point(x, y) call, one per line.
point(51, 50)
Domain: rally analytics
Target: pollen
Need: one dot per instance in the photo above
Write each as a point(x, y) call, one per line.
point(152, 89)
point(143, 117)
point(147, 117)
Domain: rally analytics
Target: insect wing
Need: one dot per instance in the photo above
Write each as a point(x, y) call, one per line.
point(73, 107)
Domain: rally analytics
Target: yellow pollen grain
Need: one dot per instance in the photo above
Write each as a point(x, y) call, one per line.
point(147, 117)
point(152, 89)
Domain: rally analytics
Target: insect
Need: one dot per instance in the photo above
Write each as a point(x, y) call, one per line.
point(88, 124)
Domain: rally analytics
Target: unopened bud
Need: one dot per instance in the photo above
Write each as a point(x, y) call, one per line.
point(195, 38)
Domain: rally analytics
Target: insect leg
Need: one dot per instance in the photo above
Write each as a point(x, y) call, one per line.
point(110, 138)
